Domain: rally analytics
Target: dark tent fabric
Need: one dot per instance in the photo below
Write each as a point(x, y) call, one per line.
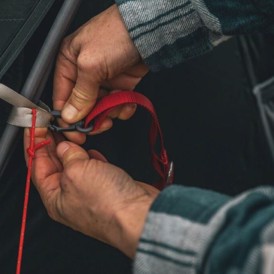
point(18, 21)
point(211, 127)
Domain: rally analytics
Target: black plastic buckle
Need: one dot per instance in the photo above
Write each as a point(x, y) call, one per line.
point(78, 126)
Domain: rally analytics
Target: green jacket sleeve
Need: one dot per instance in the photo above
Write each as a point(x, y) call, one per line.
point(190, 231)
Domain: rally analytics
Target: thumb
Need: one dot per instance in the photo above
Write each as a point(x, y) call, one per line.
point(97, 155)
point(83, 97)
point(69, 152)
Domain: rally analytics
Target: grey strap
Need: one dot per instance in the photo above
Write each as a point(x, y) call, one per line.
point(21, 114)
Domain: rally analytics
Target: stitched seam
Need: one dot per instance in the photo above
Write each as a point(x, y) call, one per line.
point(159, 16)
point(163, 24)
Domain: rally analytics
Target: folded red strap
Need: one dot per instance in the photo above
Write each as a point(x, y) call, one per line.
point(159, 160)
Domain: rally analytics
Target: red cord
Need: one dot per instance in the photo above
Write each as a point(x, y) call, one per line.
point(160, 161)
point(31, 152)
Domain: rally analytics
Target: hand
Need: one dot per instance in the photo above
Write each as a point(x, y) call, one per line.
point(99, 57)
point(83, 191)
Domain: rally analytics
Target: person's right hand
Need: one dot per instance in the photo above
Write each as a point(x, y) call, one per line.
point(82, 190)
point(99, 57)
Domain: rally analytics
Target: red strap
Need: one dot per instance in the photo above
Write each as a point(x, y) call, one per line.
point(106, 104)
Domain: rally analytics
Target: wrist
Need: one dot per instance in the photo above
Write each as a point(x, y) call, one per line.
point(130, 220)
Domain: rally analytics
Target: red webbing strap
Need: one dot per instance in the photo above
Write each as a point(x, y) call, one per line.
point(103, 107)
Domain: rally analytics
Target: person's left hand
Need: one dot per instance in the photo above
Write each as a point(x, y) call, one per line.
point(98, 58)
point(83, 191)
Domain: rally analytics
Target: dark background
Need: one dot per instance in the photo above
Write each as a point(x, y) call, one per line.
point(211, 129)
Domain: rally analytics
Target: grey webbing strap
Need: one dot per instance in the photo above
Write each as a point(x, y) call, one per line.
point(21, 114)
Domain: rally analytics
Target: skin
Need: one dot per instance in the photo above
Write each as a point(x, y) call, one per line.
point(81, 189)
point(92, 62)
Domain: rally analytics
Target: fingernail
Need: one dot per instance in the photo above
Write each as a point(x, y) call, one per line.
point(69, 113)
point(132, 106)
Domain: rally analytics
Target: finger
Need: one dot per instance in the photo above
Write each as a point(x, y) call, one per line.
point(46, 167)
point(73, 136)
point(76, 137)
point(127, 111)
point(106, 124)
point(41, 135)
point(69, 153)
point(129, 79)
point(80, 138)
point(75, 89)
point(114, 113)
point(94, 154)
point(83, 96)
point(65, 75)
point(123, 113)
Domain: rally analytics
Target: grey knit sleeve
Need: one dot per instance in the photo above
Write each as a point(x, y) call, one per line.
point(168, 32)
point(191, 231)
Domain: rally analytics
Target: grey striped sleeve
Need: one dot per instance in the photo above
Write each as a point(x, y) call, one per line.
point(196, 231)
point(172, 243)
point(166, 32)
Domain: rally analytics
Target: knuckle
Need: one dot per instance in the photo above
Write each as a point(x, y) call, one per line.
point(72, 172)
point(127, 111)
point(97, 65)
point(52, 212)
point(80, 96)
point(65, 43)
point(68, 49)
point(86, 62)
point(55, 209)
point(94, 165)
